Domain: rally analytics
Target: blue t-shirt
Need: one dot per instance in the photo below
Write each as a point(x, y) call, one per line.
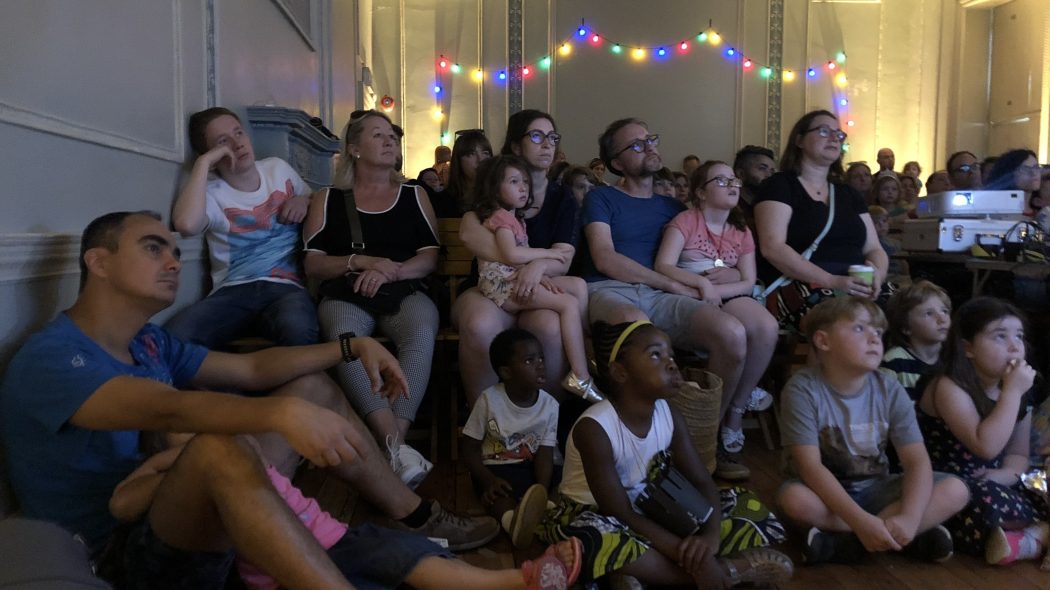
point(637, 225)
point(60, 472)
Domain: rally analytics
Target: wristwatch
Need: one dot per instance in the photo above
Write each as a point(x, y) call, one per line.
point(344, 346)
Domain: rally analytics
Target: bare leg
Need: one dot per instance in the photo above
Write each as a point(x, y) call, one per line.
point(804, 507)
point(217, 495)
point(654, 568)
point(761, 330)
point(545, 326)
point(726, 343)
point(478, 321)
point(439, 573)
point(950, 495)
point(568, 310)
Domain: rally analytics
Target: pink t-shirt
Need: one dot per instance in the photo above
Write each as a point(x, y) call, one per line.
point(326, 529)
point(507, 219)
point(702, 246)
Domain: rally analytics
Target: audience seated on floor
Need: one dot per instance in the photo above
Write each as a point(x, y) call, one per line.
point(77, 396)
point(250, 213)
point(837, 419)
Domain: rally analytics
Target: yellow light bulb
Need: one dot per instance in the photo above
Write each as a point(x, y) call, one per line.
point(841, 80)
point(638, 54)
point(438, 114)
point(479, 75)
point(565, 49)
point(714, 38)
point(789, 75)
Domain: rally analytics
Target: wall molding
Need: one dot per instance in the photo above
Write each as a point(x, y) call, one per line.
point(56, 125)
point(25, 258)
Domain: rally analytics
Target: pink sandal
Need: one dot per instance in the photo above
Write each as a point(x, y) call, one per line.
point(549, 572)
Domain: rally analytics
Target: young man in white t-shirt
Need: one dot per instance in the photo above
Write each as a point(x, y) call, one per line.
point(250, 212)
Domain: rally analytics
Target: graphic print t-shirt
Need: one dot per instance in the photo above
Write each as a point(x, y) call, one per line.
point(245, 241)
point(509, 433)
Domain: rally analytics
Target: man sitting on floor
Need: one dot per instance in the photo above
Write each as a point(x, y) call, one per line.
point(251, 213)
point(78, 393)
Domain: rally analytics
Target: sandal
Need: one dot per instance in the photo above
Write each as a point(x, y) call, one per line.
point(549, 572)
point(760, 566)
point(733, 439)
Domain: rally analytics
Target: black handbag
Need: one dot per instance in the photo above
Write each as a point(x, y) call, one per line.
point(389, 296)
point(674, 503)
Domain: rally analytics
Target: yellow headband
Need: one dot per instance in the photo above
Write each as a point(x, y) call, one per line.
point(623, 336)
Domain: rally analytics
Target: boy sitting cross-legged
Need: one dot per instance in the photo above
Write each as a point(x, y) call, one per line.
point(837, 419)
point(509, 438)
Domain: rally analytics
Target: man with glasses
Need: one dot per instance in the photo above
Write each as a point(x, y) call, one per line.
point(623, 227)
point(964, 171)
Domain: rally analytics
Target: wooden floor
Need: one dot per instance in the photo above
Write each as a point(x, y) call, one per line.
point(450, 484)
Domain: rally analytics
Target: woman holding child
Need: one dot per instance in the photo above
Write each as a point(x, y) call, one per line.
point(811, 227)
point(550, 222)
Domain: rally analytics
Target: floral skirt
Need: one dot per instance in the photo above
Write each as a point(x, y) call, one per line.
point(609, 545)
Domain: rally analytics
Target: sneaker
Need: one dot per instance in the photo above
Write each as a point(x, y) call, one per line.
point(732, 440)
point(759, 401)
point(1005, 547)
point(527, 516)
point(933, 545)
point(729, 469)
point(581, 387)
point(832, 547)
point(461, 532)
point(760, 566)
point(413, 468)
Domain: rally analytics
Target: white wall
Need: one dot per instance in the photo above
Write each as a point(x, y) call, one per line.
point(93, 109)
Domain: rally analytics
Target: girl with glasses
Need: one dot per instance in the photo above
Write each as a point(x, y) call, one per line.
point(713, 234)
point(793, 208)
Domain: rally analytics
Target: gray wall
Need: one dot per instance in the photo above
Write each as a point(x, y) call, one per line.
point(94, 98)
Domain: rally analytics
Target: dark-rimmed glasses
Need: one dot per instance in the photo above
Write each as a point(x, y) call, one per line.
point(723, 182)
point(639, 145)
point(826, 132)
point(967, 168)
point(537, 137)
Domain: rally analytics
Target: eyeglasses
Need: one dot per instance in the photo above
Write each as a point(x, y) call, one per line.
point(537, 137)
point(723, 182)
point(825, 132)
point(967, 168)
point(638, 145)
point(1036, 169)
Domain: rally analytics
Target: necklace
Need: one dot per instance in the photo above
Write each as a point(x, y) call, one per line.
point(719, 263)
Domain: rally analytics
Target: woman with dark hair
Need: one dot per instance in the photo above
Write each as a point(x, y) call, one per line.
point(470, 149)
point(812, 227)
point(1015, 170)
point(376, 286)
point(550, 222)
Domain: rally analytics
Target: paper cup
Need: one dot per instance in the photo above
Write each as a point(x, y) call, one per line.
point(863, 272)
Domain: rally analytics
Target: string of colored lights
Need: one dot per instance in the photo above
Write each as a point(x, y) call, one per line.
point(833, 67)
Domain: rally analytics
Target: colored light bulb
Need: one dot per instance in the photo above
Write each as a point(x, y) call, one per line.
point(456, 69)
point(616, 48)
point(789, 75)
point(596, 39)
point(502, 75)
point(840, 57)
point(702, 37)
point(545, 62)
point(437, 89)
point(730, 52)
point(766, 72)
point(638, 54)
point(748, 64)
point(811, 73)
point(683, 46)
point(714, 38)
point(478, 75)
point(661, 52)
point(581, 32)
point(565, 49)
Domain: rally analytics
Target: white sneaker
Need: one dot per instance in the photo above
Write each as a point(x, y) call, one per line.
point(413, 468)
point(759, 401)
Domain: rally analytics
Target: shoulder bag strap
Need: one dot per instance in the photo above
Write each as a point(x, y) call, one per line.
point(354, 218)
point(808, 252)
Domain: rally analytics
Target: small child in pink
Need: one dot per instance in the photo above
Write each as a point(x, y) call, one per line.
point(504, 192)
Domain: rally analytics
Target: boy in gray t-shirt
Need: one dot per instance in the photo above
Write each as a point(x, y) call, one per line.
point(837, 418)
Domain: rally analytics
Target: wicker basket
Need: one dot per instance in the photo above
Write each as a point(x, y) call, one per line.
point(699, 401)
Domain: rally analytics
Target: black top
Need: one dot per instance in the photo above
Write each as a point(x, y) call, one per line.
point(557, 222)
point(844, 243)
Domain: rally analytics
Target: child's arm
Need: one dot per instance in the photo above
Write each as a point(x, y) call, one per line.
point(748, 273)
point(492, 487)
point(597, 457)
point(988, 437)
point(543, 466)
point(514, 255)
point(689, 463)
point(667, 264)
point(870, 529)
point(189, 214)
point(132, 496)
point(915, 492)
point(1016, 460)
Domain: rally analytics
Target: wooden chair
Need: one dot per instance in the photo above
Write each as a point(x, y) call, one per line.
point(453, 269)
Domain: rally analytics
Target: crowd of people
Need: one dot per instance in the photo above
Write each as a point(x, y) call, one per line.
point(174, 460)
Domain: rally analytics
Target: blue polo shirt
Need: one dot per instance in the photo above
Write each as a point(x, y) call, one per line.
point(636, 224)
point(60, 472)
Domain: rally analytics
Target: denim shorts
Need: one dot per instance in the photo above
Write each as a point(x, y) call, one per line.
point(151, 564)
point(874, 494)
point(374, 558)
